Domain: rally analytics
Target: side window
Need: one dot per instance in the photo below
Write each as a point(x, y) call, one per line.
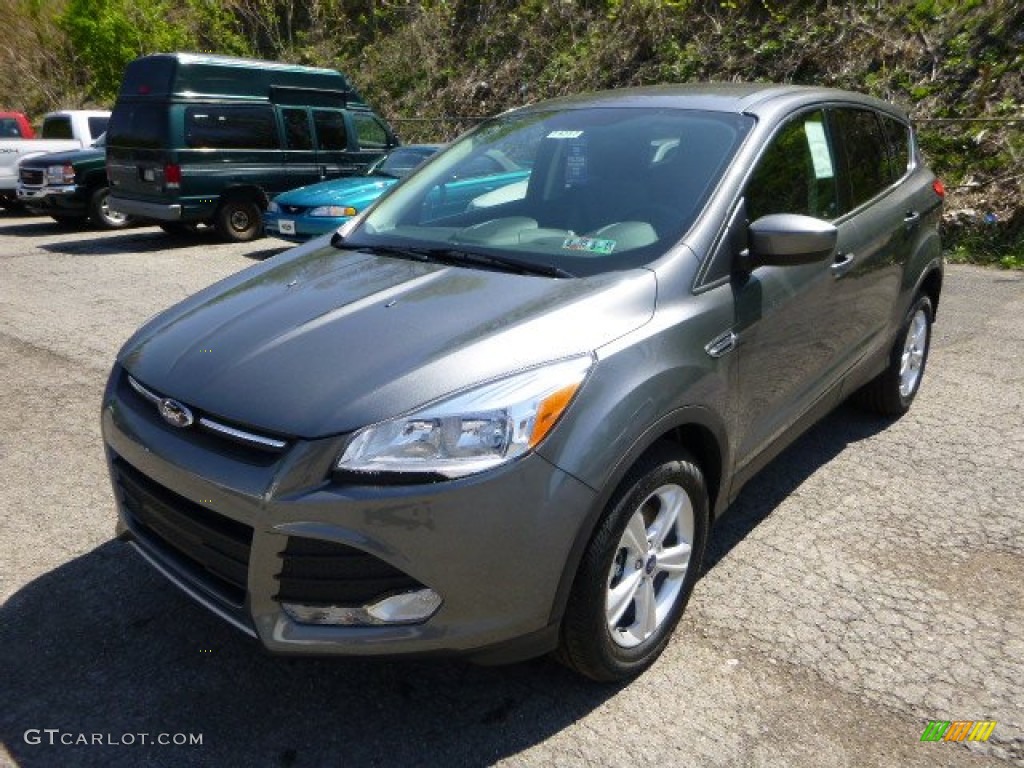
point(370, 132)
point(97, 126)
point(213, 127)
point(330, 129)
point(897, 136)
point(297, 134)
point(865, 156)
point(796, 173)
point(57, 128)
point(481, 165)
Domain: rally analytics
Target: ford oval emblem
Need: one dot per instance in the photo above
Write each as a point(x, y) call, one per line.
point(175, 414)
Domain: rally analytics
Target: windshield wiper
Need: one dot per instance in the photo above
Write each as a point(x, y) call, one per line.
point(454, 256)
point(493, 261)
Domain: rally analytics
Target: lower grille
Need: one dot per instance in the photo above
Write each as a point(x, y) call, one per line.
point(212, 549)
point(317, 572)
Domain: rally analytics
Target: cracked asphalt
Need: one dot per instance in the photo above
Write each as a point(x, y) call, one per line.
point(867, 581)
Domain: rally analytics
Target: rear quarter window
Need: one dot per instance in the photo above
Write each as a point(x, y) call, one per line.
point(897, 136)
point(215, 127)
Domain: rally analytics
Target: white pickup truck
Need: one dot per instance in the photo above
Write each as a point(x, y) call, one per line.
point(64, 130)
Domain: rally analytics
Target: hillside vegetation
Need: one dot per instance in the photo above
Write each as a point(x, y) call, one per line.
point(434, 67)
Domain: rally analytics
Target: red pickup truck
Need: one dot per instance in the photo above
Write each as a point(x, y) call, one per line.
point(14, 125)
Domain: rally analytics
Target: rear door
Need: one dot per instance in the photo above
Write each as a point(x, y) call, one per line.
point(137, 149)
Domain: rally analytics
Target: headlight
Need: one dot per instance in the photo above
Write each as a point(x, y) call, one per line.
point(333, 211)
point(60, 174)
point(273, 207)
point(472, 431)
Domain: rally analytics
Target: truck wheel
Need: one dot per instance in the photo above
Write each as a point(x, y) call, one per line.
point(100, 214)
point(238, 220)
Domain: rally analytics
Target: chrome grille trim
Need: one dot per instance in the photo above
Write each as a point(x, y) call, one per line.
point(241, 435)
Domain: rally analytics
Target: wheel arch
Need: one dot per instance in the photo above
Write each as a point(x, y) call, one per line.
point(248, 192)
point(695, 429)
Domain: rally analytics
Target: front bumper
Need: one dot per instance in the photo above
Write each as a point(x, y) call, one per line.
point(494, 546)
point(65, 198)
point(299, 229)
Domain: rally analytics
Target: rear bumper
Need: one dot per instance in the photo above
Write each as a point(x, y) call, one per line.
point(144, 210)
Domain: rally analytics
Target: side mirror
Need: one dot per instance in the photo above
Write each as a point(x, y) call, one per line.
point(789, 239)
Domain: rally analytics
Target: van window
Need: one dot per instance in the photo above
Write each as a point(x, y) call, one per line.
point(297, 134)
point(214, 127)
point(58, 127)
point(330, 129)
point(898, 136)
point(370, 132)
point(137, 126)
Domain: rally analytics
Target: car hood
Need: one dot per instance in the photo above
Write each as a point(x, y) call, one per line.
point(318, 341)
point(71, 156)
point(351, 191)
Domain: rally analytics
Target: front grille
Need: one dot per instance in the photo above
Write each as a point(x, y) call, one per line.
point(211, 548)
point(317, 572)
point(31, 176)
point(294, 210)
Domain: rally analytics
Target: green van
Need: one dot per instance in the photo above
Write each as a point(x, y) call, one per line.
point(202, 139)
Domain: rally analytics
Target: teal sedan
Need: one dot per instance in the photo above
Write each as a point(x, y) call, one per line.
point(300, 214)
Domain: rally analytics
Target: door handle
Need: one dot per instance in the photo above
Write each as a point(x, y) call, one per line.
point(842, 264)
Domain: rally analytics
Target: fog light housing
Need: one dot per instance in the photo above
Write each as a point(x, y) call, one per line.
point(405, 608)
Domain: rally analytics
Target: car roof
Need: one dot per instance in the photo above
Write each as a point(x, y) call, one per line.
point(758, 99)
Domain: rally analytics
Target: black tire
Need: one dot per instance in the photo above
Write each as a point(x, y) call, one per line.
point(589, 642)
point(100, 214)
point(892, 392)
point(178, 228)
point(238, 220)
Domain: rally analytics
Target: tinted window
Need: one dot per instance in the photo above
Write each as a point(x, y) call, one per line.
point(137, 125)
point(97, 125)
point(796, 173)
point(296, 129)
point(213, 127)
point(9, 128)
point(897, 136)
point(57, 128)
point(865, 156)
point(399, 162)
point(370, 132)
point(330, 129)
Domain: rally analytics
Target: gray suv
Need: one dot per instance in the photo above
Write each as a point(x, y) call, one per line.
point(504, 426)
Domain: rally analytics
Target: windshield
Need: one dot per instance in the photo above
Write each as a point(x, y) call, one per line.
point(578, 190)
point(400, 162)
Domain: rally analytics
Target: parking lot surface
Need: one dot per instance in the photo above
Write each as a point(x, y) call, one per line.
point(870, 580)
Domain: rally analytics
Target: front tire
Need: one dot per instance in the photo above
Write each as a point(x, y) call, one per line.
point(100, 214)
point(238, 221)
point(892, 392)
point(639, 568)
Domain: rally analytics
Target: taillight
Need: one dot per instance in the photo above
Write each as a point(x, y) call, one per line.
point(939, 187)
point(172, 175)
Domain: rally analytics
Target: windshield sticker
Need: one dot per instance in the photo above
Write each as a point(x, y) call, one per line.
point(588, 244)
point(818, 145)
point(565, 134)
point(576, 162)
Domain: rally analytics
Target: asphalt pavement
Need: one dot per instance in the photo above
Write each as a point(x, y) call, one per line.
point(868, 581)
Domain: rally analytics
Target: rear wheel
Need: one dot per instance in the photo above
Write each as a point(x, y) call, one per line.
point(100, 213)
point(639, 569)
point(238, 220)
point(892, 391)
